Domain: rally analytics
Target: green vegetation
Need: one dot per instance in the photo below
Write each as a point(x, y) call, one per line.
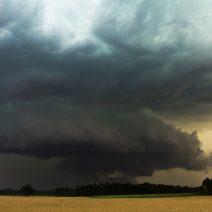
point(148, 195)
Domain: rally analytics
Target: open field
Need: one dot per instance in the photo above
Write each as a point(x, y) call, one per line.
point(61, 204)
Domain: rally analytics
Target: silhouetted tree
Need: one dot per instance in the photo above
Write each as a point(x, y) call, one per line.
point(207, 186)
point(27, 190)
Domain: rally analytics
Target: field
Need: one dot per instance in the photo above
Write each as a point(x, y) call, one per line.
point(61, 204)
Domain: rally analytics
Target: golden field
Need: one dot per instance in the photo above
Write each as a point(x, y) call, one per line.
point(61, 204)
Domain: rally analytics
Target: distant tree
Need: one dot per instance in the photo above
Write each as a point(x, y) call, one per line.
point(207, 186)
point(27, 190)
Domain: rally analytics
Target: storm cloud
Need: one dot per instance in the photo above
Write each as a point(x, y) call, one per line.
point(100, 144)
point(142, 54)
point(91, 83)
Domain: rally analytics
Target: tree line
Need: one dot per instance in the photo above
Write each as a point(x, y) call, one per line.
point(122, 189)
point(103, 189)
point(113, 189)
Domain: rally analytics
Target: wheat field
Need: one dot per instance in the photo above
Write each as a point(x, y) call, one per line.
point(60, 204)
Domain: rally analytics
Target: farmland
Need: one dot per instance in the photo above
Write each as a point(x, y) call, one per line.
point(78, 204)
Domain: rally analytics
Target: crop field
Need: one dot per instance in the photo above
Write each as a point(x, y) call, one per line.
point(78, 204)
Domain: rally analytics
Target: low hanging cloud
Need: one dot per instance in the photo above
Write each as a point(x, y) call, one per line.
point(105, 145)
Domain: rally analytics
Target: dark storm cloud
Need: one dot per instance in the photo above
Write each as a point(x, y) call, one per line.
point(131, 145)
point(124, 65)
point(75, 92)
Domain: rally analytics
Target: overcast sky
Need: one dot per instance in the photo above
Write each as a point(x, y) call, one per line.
point(105, 90)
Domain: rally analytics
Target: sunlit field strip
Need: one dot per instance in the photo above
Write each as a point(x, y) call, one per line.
point(59, 204)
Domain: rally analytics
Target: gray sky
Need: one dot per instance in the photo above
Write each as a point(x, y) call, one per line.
point(105, 90)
